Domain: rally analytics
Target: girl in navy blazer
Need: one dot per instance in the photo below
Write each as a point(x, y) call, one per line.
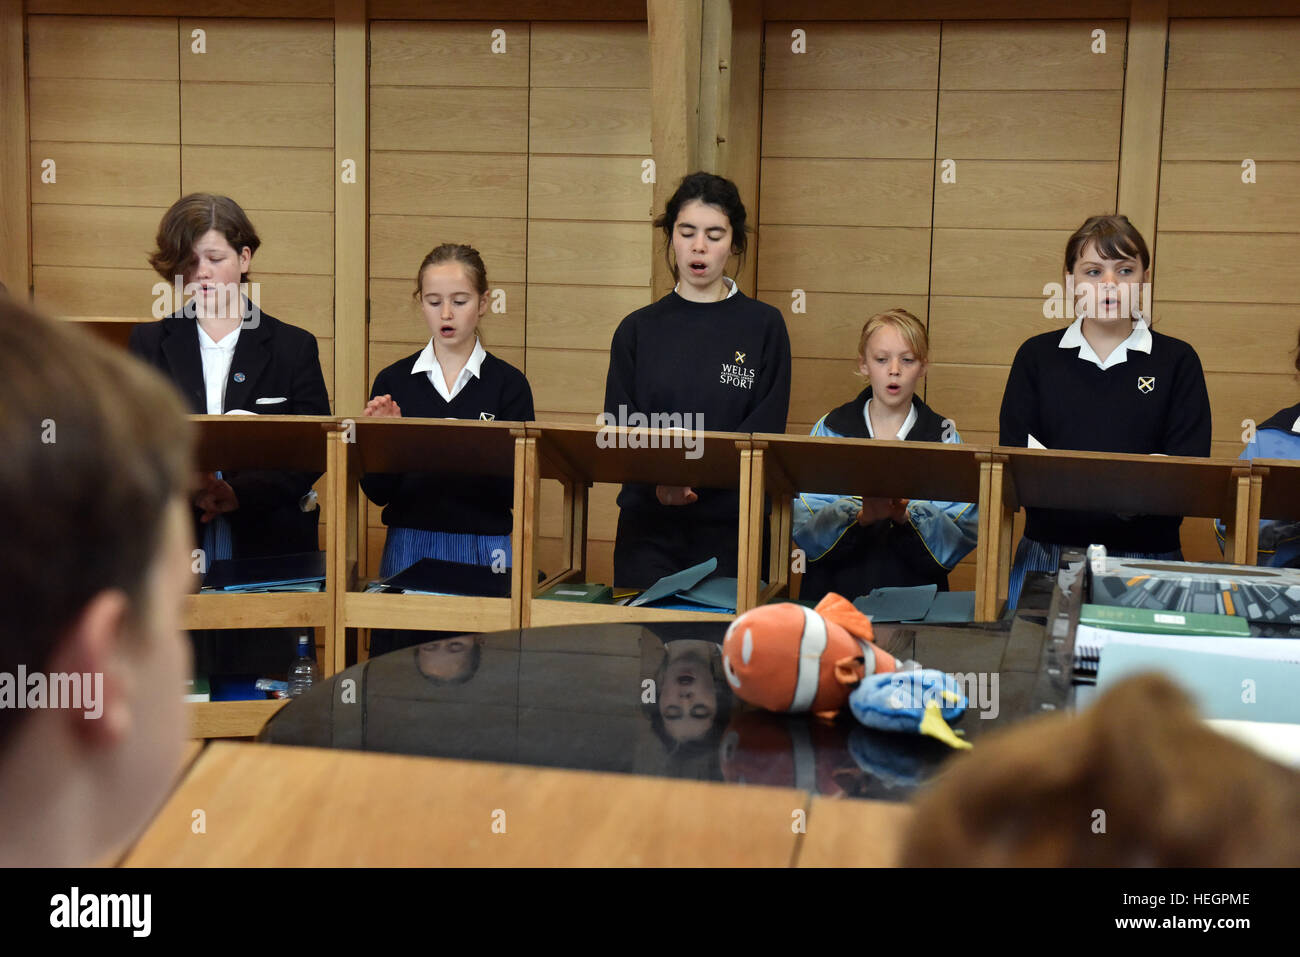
point(226, 355)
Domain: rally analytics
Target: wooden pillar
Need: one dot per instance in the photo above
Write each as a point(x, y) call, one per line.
point(351, 211)
point(675, 29)
point(742, 123)
point(15, 184)
point(715, 85)
point(351, 261)
point(1143, 123)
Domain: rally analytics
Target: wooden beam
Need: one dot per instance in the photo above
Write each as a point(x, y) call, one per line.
point(743, 122)
point(508, 10)
point(351, 246)
point(675, 30)
point(287, 9)
point(715, 84)
point(1143, 123)
point(806, 10)
point(351, 262)
point(15, 183)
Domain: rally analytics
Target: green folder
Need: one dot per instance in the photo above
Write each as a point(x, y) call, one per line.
point(1148, 621)
point(198, 689)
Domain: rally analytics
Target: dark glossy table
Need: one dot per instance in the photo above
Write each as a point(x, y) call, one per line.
point(651, 699)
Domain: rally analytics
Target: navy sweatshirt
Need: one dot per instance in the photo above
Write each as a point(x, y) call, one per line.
point(728, 361)
point(479, 505)
point(1147, 403)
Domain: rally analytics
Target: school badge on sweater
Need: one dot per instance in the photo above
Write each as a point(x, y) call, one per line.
point(738, 374)
point(1146, 384)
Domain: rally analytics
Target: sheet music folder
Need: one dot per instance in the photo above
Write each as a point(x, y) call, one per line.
point(243, 574)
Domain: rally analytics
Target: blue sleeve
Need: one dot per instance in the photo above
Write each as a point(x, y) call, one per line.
point(1279, 540)
point(945, 531)
point(820, 520)
point(948, 530)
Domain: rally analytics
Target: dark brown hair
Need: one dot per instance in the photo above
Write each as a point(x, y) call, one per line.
point(1115, 236)
point(1136, 780)
point(467, 256)
point(188, 221)
point(712, 190)
point(96, 445)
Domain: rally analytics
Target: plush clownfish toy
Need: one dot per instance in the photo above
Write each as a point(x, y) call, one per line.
point(789, 657)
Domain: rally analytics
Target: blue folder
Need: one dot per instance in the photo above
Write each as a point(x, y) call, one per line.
point(677, 582)
point(897, 604)
point(950, 607)
point(250, 574)
point(1222, 685)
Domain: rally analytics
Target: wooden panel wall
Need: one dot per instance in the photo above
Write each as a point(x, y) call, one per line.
point(1227, 249)
point(448, 164)
point(257, 124)
point(534, 156)
point(589, 242)
point(931, 166)
point(845, 190)
point(135, 112)
point(105, 126)
point(1029, 117)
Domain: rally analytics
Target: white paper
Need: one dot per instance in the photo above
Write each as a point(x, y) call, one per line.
point(1280, 742)
point(1090, 638)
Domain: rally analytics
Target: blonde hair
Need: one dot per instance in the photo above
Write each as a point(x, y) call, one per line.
point(909, 327)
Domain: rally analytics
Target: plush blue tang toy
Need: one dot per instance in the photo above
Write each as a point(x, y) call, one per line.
point(921, 701)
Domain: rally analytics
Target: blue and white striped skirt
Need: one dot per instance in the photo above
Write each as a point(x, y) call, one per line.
point(1034, 556)
point(406, 546)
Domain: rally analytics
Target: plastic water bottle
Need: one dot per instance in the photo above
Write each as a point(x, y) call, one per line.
point(303, 671)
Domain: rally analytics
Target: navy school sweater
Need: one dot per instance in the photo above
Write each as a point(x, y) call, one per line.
point(1148, 403)
point(478, 505)
point(728, 361)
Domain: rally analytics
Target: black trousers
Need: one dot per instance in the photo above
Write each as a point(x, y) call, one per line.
point(649, 546)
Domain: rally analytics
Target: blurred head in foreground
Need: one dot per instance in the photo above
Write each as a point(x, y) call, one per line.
point(94, 566)
point(1135, 780)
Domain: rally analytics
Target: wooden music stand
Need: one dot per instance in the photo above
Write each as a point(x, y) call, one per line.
point(580, 455)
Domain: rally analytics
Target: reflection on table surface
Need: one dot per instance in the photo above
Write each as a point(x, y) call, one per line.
point(651, 699)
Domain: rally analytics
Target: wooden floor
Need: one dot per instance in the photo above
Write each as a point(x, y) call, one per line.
point(262, 805)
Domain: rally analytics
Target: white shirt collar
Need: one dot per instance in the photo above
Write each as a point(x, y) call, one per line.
point(1138, 340)
point(427, 362)
point(734, 288)
point(226, 345)
point(902, 432)
point(217, 358)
